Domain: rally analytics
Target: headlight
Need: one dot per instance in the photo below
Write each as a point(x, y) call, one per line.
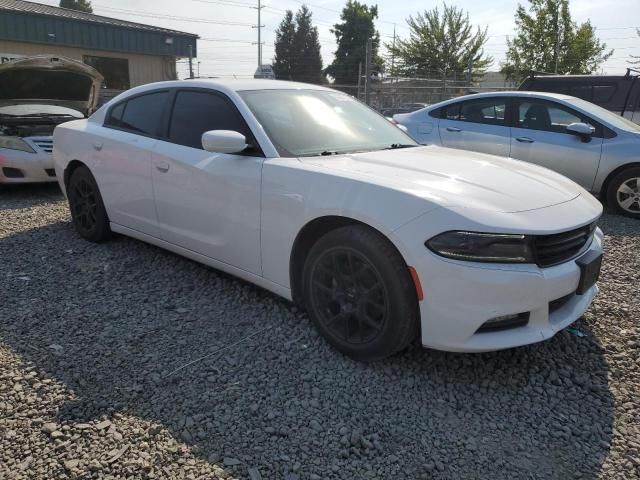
point(482, 247)
point(15, 143)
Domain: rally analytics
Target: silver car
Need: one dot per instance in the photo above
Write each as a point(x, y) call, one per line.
point(590, 145)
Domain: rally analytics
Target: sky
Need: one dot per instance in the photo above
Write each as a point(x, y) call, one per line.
point(227, 45)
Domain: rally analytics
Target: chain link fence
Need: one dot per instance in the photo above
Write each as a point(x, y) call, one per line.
point(397, 95)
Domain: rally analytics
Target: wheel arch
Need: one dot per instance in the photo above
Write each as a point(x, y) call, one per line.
point(71, 167)
point(602, 194)
point(308, 235)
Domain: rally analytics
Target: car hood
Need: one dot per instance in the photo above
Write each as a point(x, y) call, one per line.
point(50, 80)
point(457, 178)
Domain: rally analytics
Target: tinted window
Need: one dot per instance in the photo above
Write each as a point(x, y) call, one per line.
point(547, 116)
point(437, 113)
point(143, 114)
point(451, 112)
point(197, 112)
point(486, 111)
point(114, 117)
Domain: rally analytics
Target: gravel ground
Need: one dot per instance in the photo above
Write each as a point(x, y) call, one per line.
point(91, 337)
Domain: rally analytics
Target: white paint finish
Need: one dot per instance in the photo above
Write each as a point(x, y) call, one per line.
point(122, 168)
point(242, 215)
point(209, 203)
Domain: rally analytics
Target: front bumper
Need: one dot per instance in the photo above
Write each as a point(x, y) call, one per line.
point(17, 166)
point(460, 296)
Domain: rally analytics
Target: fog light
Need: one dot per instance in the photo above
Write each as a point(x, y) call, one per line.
point(504, 322)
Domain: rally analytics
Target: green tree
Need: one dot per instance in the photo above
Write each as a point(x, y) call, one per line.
point(80, 5)
point(284, 60)
point(351, 36)
point(548, 40)
point(297, 48)
point(308, 63)
point(441, 43)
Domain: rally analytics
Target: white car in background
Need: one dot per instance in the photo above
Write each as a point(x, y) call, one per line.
point(37, 94)
point(592, 146)
point(308, 193)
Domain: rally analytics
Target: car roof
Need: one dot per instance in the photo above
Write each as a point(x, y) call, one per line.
point(228, 84)
point(511, 93)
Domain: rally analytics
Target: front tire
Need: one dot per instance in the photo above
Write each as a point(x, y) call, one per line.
point(87, 209)
point(623, 192)
point(359, 293)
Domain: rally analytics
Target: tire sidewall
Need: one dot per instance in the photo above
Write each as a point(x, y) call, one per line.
point(400, 292)
point(100, 230)
point(612, 190)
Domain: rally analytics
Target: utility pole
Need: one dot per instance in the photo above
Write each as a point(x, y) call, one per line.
point(367, 72)
point(259, 27)
point(470, 72)
point(359, 79)
point(190, 61)
point(393, 51)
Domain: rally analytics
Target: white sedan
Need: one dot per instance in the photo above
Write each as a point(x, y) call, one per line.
point(592, 146)
point(308, 193)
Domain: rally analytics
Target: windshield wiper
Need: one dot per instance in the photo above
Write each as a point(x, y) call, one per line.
point(395, 146)
point(327, 153)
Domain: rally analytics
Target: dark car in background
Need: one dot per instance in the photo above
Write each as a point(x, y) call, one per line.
point(617, 93)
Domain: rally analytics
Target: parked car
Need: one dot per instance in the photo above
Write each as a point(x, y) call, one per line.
point(36, 94)
point(308, 193)
point(404, 108)
point(617, 93)
point(590, 145)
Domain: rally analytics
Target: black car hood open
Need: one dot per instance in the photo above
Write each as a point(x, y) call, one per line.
point(50, 80)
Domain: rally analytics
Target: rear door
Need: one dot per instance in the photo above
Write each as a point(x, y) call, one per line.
point(122, 160)
point(539, 136)
point(478, 125)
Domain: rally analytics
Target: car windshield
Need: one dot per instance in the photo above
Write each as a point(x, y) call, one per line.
point(596, 111)
point(318, 122)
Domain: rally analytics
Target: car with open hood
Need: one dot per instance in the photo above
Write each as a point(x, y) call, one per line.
point(37, 94)
point(307, 192)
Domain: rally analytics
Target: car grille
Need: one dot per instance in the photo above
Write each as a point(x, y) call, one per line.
point(558, 248)
point(44, 144)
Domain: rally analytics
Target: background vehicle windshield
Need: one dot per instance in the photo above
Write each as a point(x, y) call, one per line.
point(314, 122)
point(617, 121)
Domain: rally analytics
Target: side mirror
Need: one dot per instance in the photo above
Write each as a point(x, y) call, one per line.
point(223, 141)
point(581, 130)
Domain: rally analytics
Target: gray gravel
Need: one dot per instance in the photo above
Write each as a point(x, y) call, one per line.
point(90, 333)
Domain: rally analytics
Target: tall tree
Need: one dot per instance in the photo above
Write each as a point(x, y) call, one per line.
point(306, 45)
point(297, 48)
point(80, 5)
point(284, 60)
point(351, 36)
point(441, 43)
point(548, 40)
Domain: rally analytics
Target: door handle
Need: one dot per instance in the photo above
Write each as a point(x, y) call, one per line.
point(525, 140)
point(162, 167)
point(453, 129)
point(97, 146)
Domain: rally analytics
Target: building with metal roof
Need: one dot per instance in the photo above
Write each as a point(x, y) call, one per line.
point(126, 53)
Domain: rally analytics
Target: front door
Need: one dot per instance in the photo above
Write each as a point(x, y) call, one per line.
point(540, 136)
point(207, 202)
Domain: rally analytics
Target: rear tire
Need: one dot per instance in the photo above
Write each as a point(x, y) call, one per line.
point(623, 192)
point(87, 209)
point(359, 293)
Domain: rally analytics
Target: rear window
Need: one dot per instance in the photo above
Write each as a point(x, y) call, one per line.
point(140, 115)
